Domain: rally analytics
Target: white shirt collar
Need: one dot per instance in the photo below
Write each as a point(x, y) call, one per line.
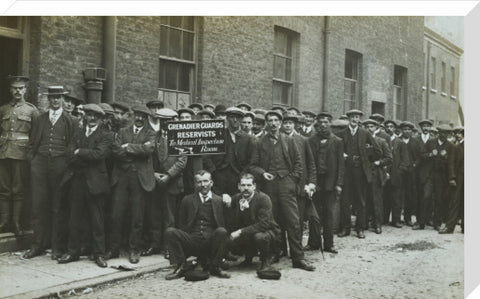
point(425, 137)
point(92, 129)
point(353, 131)
point(440, 142)
point(209, 196)
point(155, 126)
point(55, 114)
point(135, 127)
point(406, 140)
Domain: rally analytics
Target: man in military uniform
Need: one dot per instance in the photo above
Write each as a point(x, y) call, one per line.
point(16, 120)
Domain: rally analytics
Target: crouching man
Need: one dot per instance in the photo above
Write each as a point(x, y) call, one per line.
point(201, 231)
point(254, 227)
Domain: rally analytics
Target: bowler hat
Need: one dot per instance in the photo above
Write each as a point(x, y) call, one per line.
point(141, 109)
point(196, 275)
point(56, 90)
point(273, 112)
point(121, 106)
point(93, 108)
point(269, 274)
point(354, 112)
point(106, 108)
point(155, 103)
point(246, 105)
point(165, 113)
point(220, 109)
point(235, 111)
point(17, 80)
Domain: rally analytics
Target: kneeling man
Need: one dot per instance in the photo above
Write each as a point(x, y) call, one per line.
point(254, 227)
point(201, 231)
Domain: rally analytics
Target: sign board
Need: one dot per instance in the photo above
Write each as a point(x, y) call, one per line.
point(196, 137)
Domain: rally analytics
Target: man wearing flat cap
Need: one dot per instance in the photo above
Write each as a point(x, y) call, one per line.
point(87, 174)
point(206, 114)
point(196, 107)
point(380, 132)
point(122, 114)
point(308, 129)
point(132, 179)
point(247, 122)
point(15, 129)
point(154, 121)
point(277, 162)
point(244, 106)
point(258, 128)
point(51, 134)
point(360, 149)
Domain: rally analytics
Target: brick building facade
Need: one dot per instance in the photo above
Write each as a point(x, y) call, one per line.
point(321, 63)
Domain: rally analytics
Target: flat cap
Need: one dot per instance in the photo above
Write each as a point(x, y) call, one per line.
point(249, 113)
point(324, 114)
point(444, 128)
point(278, 108)
point(187, 110)
point(302, 119)
point(196, 105)
point(17, 80)
point(120, 105)
point(459, 128)
point(220, 109)
point(260, 117)
point(234, 111)
point(391, 121)
point(106, 108)
point(56, 90)
point(425, 121)
point(354, 112)
point(75, 100)
point(339, 123)
point(407, 124)
point(155, 103)
point(209, 106)
point(165, 113)
point(378, 117)
point(309, 112)
point(273, 112)
point(243, 104)
point(370, 122)
point(343, 116)
point(93, 108)
point(206, 112)
point(288, 116)
point(433, 129)
point(141, 109)
point(294, 109)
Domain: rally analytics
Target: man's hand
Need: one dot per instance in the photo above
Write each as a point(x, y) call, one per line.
point(453, 183)
point(236, 234)
point(268, 176)
point(157, 176)
point(435, 152)
point(338, 189)
point(163, 178)
point(443, 153)
point(377, 163)
point(227, 200)
point(76, 151)
point(124, 145)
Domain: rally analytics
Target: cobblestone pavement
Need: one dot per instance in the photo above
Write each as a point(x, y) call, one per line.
point(399, 263)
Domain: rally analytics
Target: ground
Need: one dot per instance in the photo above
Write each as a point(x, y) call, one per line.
point(399, 263)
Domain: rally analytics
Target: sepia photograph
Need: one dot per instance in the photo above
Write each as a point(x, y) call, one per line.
point(210, 156)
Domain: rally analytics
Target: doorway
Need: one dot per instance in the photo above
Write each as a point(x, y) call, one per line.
point(10, 58)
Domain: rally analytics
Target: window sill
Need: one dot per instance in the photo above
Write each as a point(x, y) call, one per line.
point(444, 94)
point(433, 90)
point(453, 97)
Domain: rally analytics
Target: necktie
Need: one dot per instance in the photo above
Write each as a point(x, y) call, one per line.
point(52, 118)
point(136, 130)
point(204, 198)
point(89, 131)
point(243, 204)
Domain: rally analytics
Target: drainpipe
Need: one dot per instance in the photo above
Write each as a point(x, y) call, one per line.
point(109, 57)
point(326, 33)
point(427, 97)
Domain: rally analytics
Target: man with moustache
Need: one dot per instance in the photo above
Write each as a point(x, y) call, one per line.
point(87, 173)
point(201, 231)
point(327, 150)
point(277, 161)
point(360, 149)
point(132, 179)
point(17, 116)
point(254, 229)
point(51, 134)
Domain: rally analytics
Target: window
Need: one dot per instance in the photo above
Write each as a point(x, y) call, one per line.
point(433, 73)
point(284, 62)
point(399, 91)
point(176, 61)
point(352, 80)
point(452, 81)
point(444, 77)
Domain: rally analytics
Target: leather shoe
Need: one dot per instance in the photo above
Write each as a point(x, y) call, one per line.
point(360, 234)
point(32, 252)
point(67, 258)
point(378, 230)
point(409, 223)
point(331, 250)
point(396, 224)
point(445, 230)
point(344, 233)
point(56, 256)
point(150, 251)
point(216, 271)
point(302, 264)
point(100, 261)
point(134, 257)
point(179, 272)
point(310, 248)
point(417, 226)
point(111, 255)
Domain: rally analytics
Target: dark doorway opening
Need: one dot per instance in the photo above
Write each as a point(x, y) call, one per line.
point(9, 64)
point(378, 107)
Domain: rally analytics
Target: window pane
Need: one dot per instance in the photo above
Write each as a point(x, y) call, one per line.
point(288, 48)
point(176, 21)
point(184, 77)
point(280, 42)
point(164, 40)
point(350, 66)
point(288, 69)
point(161, 76)
point(188, 46)
point(349, 90)
point(10, 22)
point(188, 23)
point(282, 93)
point(175, 39)
point(279, 67)
point(171, 69)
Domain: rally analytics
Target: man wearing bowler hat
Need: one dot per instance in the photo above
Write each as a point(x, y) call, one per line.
point(132, 179)
point(16, 124)
point(360, 149)
point(87, 174)
point(51, 134)
point(277, 161)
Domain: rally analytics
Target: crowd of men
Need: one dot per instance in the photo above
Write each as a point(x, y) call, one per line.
point(100, 179)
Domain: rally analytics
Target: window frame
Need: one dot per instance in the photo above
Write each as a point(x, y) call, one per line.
point(399, 99)
point(21, 33)
point(293, 38)
point(452, 81)
point(356, 79)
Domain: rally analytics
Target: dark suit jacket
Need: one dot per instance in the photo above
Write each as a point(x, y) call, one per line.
point(189, 211)
point(260, 214)
point(90, 159)
point(425, 165)
point(335, 163)
point(261, 157)
point(385, 160)
point(457, 164)
point(243, 149)
point(368, 149)
point(138, 155)
point(384, 136)
point(38, 125)
point(440, 163)
point(309, 173)
point(173, 166)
